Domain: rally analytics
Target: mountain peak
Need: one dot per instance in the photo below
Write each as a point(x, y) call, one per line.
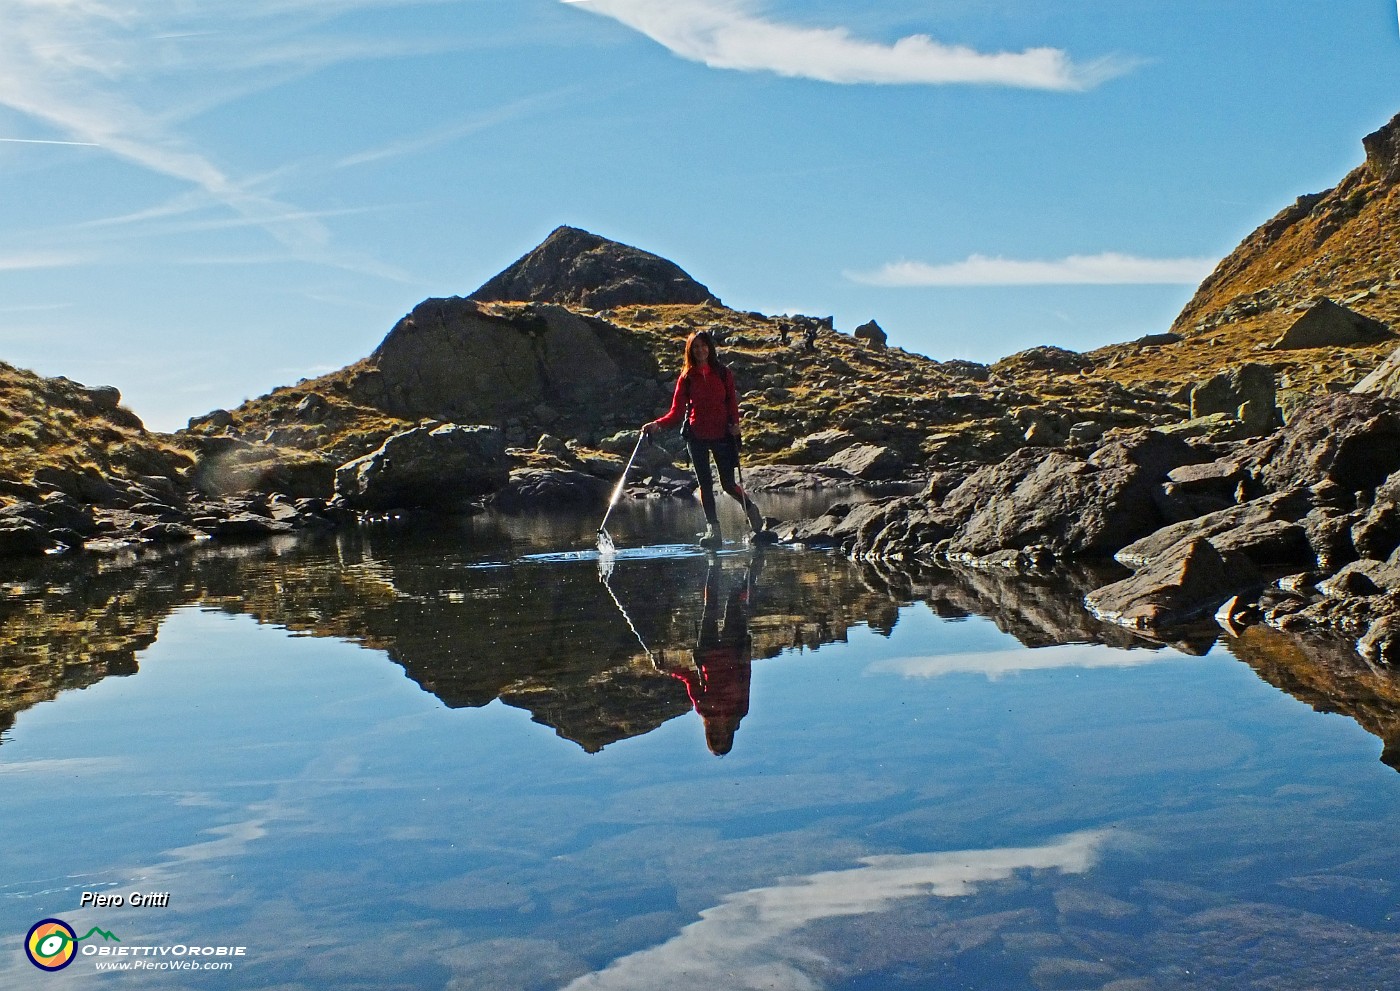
point(577, 268)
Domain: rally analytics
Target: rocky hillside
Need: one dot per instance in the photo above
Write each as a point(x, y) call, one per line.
point(1341, 245)
point(581, 339)
point(58, 434)
point(581, 377)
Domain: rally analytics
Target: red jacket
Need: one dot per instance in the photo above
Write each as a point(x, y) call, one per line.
point(714, 403)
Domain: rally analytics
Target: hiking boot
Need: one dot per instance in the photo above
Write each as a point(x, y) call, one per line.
point(711, 534)
point(755, 517)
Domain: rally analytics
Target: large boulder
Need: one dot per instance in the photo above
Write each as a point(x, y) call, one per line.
point(866, 461)
point(551, 487)
point(1266, 530)
point(1384, 380)
point(1326, 324)
point(441, 468)
point(1351, 440)
point(1191, 581)
point(1247, 394)
point(1054, 501)
point(817, 447)
point(456, 360)
point(577, 268)
point(872, 334)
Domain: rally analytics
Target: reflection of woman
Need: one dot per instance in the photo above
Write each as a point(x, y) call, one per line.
point(706, 398)
point(718, 683)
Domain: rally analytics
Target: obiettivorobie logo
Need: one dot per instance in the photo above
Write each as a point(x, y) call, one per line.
point(52, 944)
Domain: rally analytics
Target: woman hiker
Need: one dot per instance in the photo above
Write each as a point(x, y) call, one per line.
point(708, 404)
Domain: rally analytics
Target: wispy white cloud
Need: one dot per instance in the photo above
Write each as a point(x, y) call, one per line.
point(747, 941)
point(452, 132)
point(995, 664)
point(1104, 269)
point(728, 34)
point(121, 75)
point(47, 141)
point(40, 259)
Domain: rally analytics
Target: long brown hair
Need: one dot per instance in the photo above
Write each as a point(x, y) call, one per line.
point(701, 335)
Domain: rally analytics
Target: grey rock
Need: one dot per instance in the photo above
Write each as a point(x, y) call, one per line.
point(1267, 530)
point(1251, 385)
point(470, 363)
point(1384, 380)
point(817, 447)
point(1086, 431)
point(1352, 440)
point(578, 268)
point(1193, 581)
point(313, 408)
point(1329, 324)
point(549, 444)
point(867, 461)
point(545, 487)
point(799, 477)
point(441, 468)
point(872, 334)
point(244, 524)
point(1053, 499)
point(1329, 535)
point(23, 538)
point(216, 419)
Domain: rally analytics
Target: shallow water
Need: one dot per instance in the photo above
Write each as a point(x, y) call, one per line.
point(461, 759)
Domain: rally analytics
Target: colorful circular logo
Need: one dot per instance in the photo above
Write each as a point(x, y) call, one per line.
point(51, 944)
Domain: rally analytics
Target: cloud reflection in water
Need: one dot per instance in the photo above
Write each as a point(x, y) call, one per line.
point(745, 941)
point(995, 664)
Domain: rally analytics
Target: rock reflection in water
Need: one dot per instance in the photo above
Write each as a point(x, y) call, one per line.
point(472, 616)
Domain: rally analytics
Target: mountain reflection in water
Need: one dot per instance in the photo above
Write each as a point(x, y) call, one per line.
point(523, 609)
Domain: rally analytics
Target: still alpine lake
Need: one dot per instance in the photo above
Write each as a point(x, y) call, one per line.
point(483, 755)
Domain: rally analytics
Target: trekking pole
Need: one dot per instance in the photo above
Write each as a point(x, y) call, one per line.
point(627, 619)
point(617, 489)
point(756, 535)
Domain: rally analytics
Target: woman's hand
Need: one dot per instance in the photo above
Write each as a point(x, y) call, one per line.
point(648, 428)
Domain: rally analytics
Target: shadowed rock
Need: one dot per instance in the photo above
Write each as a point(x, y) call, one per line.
point(1352, 440)
point(1266, 530)
point(457, 360)
point(577, 268)
point(441, 468)
point(1327, 324)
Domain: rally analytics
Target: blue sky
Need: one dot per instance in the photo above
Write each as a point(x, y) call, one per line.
point(201, 200)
